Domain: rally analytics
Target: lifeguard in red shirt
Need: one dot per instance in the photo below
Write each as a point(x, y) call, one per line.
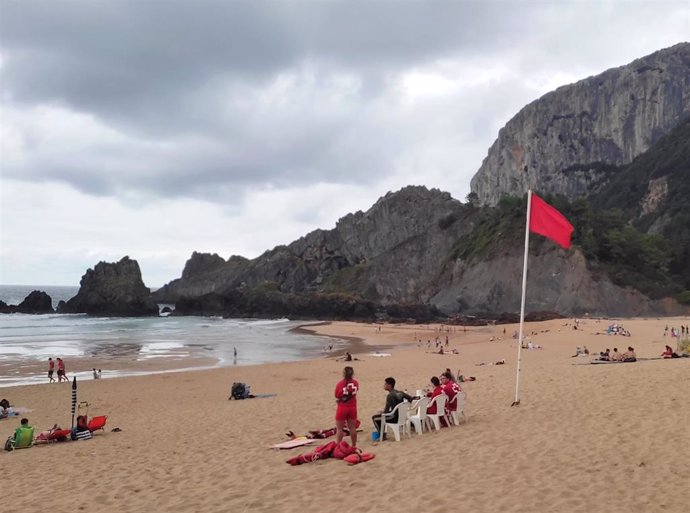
point(451, 389)
point(346, 412)
point(438, 390)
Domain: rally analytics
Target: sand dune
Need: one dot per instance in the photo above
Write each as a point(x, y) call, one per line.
point(585, 438)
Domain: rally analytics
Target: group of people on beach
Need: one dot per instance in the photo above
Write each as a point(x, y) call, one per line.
point(677, 333)
point(617, 329)
point(346, 399)
point(61, 374)
point(615, 356)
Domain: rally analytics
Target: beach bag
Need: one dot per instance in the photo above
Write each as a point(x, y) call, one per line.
point(82, 423)
point(81, 435)
point(9, 444)
point(239, 391)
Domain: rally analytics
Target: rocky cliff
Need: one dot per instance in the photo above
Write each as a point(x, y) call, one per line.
point(389, 253)
point(112, 289)
point(566, 141)
point(557, 281)
point(618, 142)
point(413, 246)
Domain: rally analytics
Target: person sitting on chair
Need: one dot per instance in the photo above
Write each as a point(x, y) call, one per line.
point(393, 399)
point(451, 389)
point(23, 436)
point(436, 392)
point(23, 424)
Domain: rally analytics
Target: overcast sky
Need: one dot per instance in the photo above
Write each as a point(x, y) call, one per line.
point(154, 129)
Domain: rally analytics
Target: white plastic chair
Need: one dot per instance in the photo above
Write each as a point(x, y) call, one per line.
point(440, 401)
point(403, 410)
point(459, 412)
point(419, 420)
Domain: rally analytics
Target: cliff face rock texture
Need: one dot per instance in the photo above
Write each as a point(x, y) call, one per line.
point(112, 289)
point(557, 281)
point(567, 140)
point(391, 252)
point(403, 250)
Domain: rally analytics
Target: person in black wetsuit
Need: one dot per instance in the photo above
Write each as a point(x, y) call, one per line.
point(393, 398)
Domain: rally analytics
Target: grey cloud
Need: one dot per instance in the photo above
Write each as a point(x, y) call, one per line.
point(182, 83)
point(131, 61)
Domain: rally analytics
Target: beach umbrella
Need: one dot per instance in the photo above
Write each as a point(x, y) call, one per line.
point(74, 399)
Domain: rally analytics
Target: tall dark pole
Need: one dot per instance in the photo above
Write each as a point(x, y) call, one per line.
point(74, 399)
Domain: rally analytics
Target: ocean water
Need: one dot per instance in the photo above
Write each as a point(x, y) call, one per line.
point(33, 338)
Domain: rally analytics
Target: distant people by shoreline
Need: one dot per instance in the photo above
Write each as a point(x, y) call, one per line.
point(61, 373)
point(51, 369)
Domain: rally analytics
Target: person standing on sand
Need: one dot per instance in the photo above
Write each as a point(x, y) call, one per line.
point(346, 412)
point(51, 369)
point(61, 371)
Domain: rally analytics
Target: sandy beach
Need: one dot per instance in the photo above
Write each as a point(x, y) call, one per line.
point(586, 438)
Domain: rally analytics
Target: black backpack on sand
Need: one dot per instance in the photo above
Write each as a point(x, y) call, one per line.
point(238, 391)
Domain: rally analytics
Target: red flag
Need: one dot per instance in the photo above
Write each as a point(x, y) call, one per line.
point(549, 222)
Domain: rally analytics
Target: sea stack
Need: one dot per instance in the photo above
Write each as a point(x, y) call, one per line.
point(38, 302)
point(112, 289)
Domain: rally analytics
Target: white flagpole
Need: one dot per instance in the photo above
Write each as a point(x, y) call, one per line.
point(522, 303)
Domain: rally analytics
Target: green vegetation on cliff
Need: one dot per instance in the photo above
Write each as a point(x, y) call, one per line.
point(645, 248)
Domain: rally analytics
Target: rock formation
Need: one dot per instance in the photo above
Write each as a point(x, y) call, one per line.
point(558, 280)
point(422, 247)
point(406, 249)
point(112, 289)
point(567, 140)
point(388, 254)
point(37, 302)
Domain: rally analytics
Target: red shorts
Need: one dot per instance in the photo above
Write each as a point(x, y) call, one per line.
point(346, 413)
